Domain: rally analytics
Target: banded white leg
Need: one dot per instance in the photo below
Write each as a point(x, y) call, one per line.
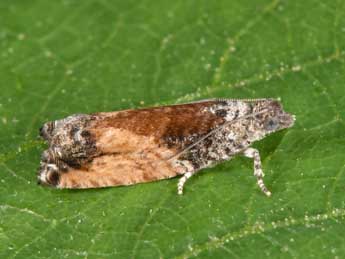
point(258, 173)
point(182, 181)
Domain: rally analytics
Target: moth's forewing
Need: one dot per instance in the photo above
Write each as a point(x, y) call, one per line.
point(134, 146)
point(130, 146)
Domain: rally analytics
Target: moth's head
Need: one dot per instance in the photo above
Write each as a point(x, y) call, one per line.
point(271, 117)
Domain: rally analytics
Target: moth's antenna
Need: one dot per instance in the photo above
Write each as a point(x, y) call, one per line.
point(214, 130)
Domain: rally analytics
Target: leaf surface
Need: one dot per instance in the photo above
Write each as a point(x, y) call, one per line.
point(64, 57)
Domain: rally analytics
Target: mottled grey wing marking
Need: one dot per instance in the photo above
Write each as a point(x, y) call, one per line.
point(229, 100)
point(212, 132)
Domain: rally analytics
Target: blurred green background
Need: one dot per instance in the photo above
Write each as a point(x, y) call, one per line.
point(65, 57)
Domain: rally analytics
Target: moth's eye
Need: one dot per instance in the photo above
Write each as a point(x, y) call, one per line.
point(271, 124)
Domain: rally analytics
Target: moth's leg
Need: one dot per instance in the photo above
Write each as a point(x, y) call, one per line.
point(258, 173)
point(182, 181)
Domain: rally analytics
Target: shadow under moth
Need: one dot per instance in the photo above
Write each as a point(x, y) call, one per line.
point(143, 145)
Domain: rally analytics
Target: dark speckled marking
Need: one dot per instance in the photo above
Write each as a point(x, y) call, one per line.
point(54, 178)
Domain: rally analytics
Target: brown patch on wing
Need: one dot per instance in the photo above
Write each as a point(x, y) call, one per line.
point(168, 125)
point(125, 158)
point(119, 169)
point(118, 140)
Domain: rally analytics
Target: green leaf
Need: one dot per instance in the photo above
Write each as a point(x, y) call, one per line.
point(68, 56)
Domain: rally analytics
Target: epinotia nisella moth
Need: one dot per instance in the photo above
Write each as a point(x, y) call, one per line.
point(143, 145)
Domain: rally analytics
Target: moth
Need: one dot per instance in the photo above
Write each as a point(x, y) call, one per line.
point(143, 145)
